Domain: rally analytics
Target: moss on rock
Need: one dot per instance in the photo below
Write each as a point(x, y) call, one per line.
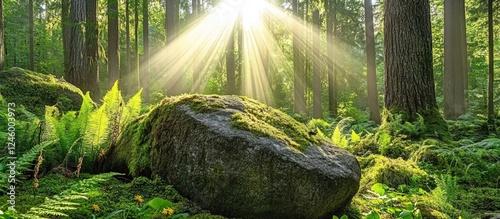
point(36, 90)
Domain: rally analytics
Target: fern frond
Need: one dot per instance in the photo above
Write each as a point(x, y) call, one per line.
point(65, 200)
point(132, 109)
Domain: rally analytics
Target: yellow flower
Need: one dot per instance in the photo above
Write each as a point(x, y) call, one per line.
point(138, 199)
point(168, 211)
point(95, 208)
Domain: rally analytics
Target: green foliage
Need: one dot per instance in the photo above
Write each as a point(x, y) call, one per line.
point(91, 130)
point(68, 199)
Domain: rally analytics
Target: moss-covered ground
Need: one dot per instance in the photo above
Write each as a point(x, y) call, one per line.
point(406, 170)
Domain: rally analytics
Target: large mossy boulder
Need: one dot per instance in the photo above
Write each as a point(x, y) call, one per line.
point(237, 157)
point(35, 90)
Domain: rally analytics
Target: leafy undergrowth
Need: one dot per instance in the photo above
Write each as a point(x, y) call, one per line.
point(106, 195)
point(408, 174)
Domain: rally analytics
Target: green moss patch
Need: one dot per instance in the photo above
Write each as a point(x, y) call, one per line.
point(35, 91)
point(392, 172)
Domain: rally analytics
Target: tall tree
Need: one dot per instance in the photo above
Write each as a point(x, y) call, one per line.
point(32, 36)
point(113, 56)
point(127, 46)
point(230, 65)
point(317, 109)
point(145, 62)
point(299, 79)
point(137, 80)
point(77, 52)
point(371, 70)
point(66, 32)
point(332, 78)
point(2, 47)
point(172, 30)
point(91, 39)
point(409, 79)
point(455, 59)
point(491, 74)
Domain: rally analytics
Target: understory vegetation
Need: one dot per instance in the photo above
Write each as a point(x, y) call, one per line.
point(407, 171)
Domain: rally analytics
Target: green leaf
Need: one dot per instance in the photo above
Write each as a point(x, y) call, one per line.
point(159, 203)
point(378, 188)
point(373, 215)
point(355, 137)
point(406, 215)
point(336, 137)
point(344, 217)
point(335, 217)
point(112, 214)
point(410, 207)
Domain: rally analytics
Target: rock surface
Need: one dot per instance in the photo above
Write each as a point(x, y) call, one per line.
point(35, 91)
point(210, 148)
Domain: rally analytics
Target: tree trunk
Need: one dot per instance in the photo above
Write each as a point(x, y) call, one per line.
point(91, 36)
point(491, 78)
point(2, 46)
point(31, 36)
point(77, 52)
point(371, 69)
point(174, 86)
point(128, 63)
point(136, 73)
point(317, 109)
point(230, 66)
point(454, 57)
point(299, 80)
point(145, 63)
point(332, 79)
point(409, 79)
point(66, 32)
point(113, 56)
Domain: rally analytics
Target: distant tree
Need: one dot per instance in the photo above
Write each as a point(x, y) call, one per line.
point(230, 65)
point(91, 39)
point(32, 36)
point(317, 109)
point(172, 30)
point(2, 47)
point(491, 72)
point(113, 47)
point(145, 62)
point(77, 70)
point(409, 79)
point(455, 59)
point(128, 60)
point(332, 78)
point(299, 77)
point(371, 70)
point(66, 32)
point(136, 75)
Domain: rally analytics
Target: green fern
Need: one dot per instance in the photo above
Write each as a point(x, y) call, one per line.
point(23, 163)
point(59, 205)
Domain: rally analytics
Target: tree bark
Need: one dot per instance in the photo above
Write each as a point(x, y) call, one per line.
point(77, 53)
point(174, 86)
point(137, 75)
point(2, 46)
point(371, 69)
point(230, 66)
point(128, 63)
point(91, 36)
point(145, 64)
point(66, 32)
point(491, 73)
point(299, 79)
point(317, 109)
point(113, 56)
point(409, 79)
point(31, 36)
point(330, 34)
point(455, 54)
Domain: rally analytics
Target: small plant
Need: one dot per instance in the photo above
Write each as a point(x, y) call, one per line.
point(388, 201)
